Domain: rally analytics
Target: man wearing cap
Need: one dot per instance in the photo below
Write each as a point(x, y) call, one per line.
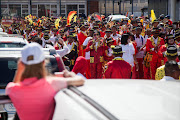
point(140, 42)
point(114, 35)
point(73, 51)
point(162, 58)
point(87, 54)
point(109, 50)
point(108, 35)
point(171, 54)
point(97, 53)
point(46, 42)
point(152, 46)
point(81, 37)
point(27, 33)
point(53, 38)
point(39, 32)
point(177, 38)
point(117, 68)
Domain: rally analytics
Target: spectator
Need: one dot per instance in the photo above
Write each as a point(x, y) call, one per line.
point(172, 71)
point(32, 92)
point(80, 67)
point(129, 55)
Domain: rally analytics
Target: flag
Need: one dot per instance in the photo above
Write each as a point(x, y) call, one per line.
point(89, 18)
point(70, 16)
point(57, 23)
point(153, 16)
point(127, 13)
point(75, 18)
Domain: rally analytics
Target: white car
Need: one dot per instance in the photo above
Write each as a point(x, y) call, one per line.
point(12, 42)
point(119, 100)
point(116, 18)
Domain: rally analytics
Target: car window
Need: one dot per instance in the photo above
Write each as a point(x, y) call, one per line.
point(12, 45)
point(8, 67)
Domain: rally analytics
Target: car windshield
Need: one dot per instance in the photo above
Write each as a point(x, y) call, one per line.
point(12, 45)
point(9, 66)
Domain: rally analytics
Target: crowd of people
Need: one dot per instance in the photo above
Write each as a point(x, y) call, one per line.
point(135, 48)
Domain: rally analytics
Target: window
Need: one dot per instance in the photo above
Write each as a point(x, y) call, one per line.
point(34, 10)
point(25, 10)
point(81, 6)
point(53, 10)
point(15, 9)
point(81, 9)
point(142, 1)
point(4, 9)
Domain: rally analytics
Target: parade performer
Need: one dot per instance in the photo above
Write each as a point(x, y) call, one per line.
point(97, 53)
point(117, 68)
point(81, 37)
point(72, 56)
point(152, 46)
point(171, 54)
point(162, 58)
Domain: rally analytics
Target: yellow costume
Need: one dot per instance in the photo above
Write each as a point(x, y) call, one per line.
point(160, 72)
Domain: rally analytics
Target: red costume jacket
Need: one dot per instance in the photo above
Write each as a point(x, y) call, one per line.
point(81, 38)
point(118, 68)
point(150, 45)
point(96, 54)
point(162, 59)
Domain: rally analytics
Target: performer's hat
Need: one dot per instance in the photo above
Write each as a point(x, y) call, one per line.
point(81, 25)
point(177, 35)
point(117, 50)
point(156, 21)
point(170, 36)
point(109, 40)
point(171, 51)
point(54, 29)
point(46, 36)
point(108, 30)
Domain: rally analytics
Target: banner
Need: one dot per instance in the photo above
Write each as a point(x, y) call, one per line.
point(7, 21)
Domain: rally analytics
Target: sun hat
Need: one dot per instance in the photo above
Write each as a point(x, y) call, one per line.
point(32, 54)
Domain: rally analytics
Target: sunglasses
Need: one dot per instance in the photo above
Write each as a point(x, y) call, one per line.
point(96, 34)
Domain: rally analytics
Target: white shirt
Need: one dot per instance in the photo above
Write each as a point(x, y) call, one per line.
point(63, 51)
point(109, 52)
point(117, 37)
point(70, 45)
point(167, 78)
point(87, 55)
point(53, 39)
point(155, 40)
point(140, 42)
point(129, 52)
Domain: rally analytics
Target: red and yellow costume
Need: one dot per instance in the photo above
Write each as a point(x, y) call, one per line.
point(118, 68)
point(162, 59)
point(96, 58)
point(81, 37)
point(153, 55)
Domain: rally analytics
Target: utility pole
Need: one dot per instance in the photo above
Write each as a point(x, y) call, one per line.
point(60, 7)
point(0, 10)
point(132, 5)
point(30, 3)
point(119, 3)
point(105, 7)
point(113, 7)
point(123, 6)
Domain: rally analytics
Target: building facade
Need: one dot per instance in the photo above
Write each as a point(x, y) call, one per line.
point(62, 7)
point(166, 7)
point(42, 7)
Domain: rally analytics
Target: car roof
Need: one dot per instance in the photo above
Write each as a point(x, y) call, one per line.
point(12, 39)
point(136, 99)
point(117, 17)
point(16, 52)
